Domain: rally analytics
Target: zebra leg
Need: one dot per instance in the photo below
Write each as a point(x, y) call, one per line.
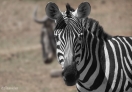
point(47, 53)
point(43, 45)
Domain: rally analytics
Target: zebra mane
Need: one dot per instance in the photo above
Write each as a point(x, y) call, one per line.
point(68, 9)
point(94, 27)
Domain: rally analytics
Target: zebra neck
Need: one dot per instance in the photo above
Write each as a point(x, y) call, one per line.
point(91, 73)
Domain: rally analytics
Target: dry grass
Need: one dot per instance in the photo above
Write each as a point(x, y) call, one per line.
point(20, 52)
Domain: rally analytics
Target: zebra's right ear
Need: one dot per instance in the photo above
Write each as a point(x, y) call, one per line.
point(52, 10)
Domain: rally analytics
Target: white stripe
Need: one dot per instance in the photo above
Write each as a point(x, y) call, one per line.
point(58, 42)
point(61, 57)
point(107, 64)
point(130, 38)
point(93, 27)
point(81, 88)
point(116, 64)
point(62, 65)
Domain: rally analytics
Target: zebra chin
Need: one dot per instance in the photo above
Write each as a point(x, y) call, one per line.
point(70, 75)
point(70, 83)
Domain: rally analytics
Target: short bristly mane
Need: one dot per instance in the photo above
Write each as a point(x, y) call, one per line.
point(68, 9)
point(94, 27)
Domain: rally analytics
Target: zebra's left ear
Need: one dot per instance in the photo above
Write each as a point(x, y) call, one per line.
point(83, 10)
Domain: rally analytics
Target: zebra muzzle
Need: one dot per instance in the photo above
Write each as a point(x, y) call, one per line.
point(70, 75)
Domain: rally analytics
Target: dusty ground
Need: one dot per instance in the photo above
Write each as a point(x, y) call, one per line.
point(21, 63)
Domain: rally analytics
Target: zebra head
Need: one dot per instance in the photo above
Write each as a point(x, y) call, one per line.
point(69, 37)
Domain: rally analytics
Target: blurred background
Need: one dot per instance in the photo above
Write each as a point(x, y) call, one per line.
point(21, 60)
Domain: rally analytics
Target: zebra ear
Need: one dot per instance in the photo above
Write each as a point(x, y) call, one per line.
point(52, 10)
point(83, 10)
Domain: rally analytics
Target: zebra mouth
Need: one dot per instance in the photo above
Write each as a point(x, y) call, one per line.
point(70, 75)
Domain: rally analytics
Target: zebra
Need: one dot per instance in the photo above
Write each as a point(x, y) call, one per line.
point(47, 38)
point(90, 62)
point(94, 63)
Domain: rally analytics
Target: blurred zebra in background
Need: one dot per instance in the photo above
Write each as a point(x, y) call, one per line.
point(94, 61)
point(47, 38)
